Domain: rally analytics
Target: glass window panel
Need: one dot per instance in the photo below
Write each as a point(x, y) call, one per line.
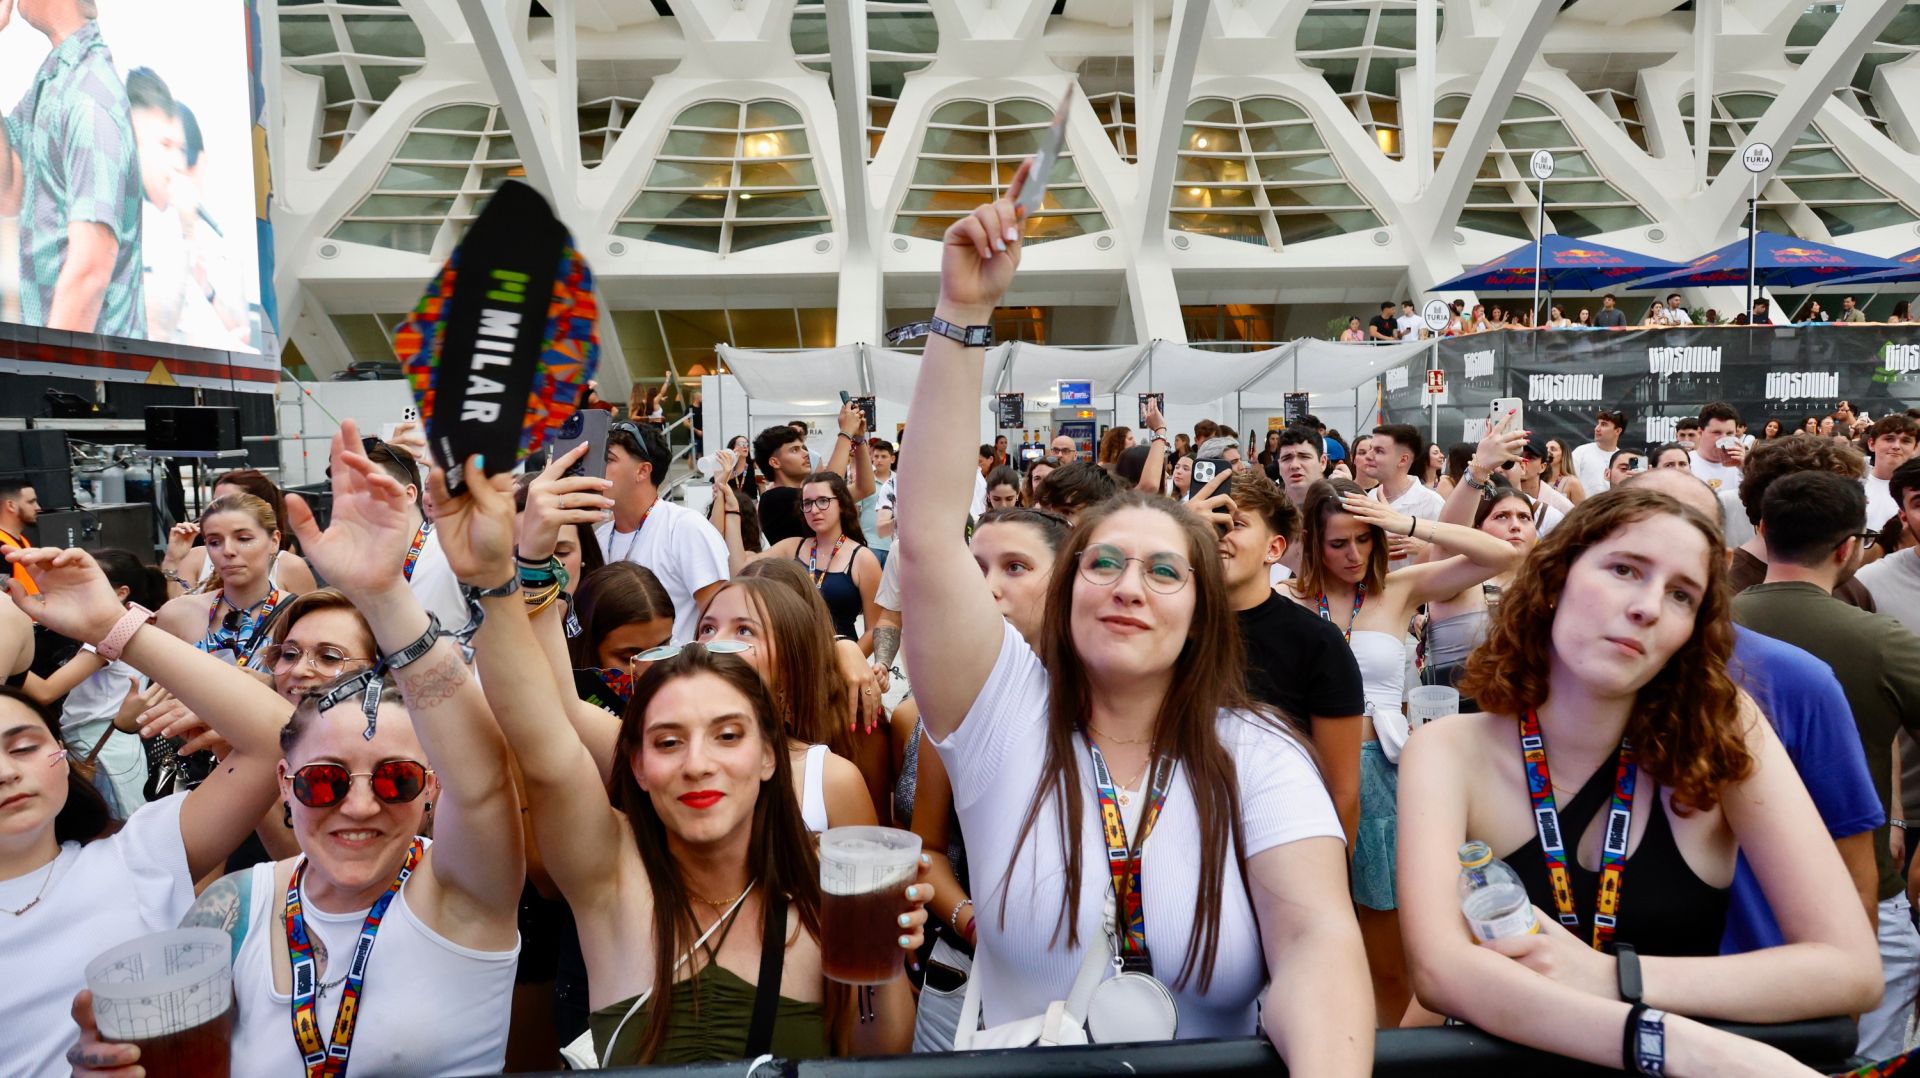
point(383, 36)
point(337, 86)
point(439, 147)
point(1299, 169)
point(1395, 30)
point(1304, 227)
point(965, 143)
point(764, 329)
point(1593, 221)
point(398, 236)
point(1450, 107)
point(1745, 106)
point(1843, 220)
point(1524, 108)
point(1324, 30)
point(1213, 198)
point(926, 228)
point(1210, 170)
point(721, 114)
point(691, 236)
point(954, 173)
point(1023, 143)
point(919, 199)
point(1558, 192)
point(1281, 139)
point(888, 78)
point(492, 177)
point(777, 173)
point(771, 114)
point(1021, 110)
point(774, 143)
point(1210, 139)
point(699, 144)
point(817, 326)
point(501, 148)
point(1228, 226)
point(1383, 74)
point(1535, 136)
point(307, 35)
point(809, 35)
point(700, 207)
point(1821, 162)
point(1575, 166)
point(1211, 110)
point(456, 118)
point(383, 79)
point(1717, 163)
point(1500, 223)
point(1489, 169)
point(902, 31)
point(1260, 110)
point(1339, 71)
point(690, 174)
point(422, 178)
point(403, 206)
point(333, 121)
point(1718, 135)
point(1333, 194)
point(782, 204)
point(747, 237)
point(1836, 190)
point(964, 113)
point(1068, 198)
point(1060, 226)
point(1773, 220)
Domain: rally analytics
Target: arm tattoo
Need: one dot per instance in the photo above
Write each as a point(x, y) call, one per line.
point(886, 644)
point(437, 684)
point(226, 906)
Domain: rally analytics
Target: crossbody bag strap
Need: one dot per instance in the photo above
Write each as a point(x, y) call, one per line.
point(640, 1000)
point(1100, 955)
point(94, 752)
point(766, 996)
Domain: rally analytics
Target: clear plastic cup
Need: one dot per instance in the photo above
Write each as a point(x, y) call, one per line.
point(171, 994)
point(1426, 703)
point(864, 875)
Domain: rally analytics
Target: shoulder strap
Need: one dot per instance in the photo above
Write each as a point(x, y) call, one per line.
point(773, 953)
point(640, 1000)
point(1099, 956)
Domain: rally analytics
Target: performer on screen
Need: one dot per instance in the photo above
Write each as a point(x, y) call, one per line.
point(162, 141)
point(69, 171)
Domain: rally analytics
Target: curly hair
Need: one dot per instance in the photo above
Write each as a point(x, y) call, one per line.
point(1782, 457)
point(1685, 726)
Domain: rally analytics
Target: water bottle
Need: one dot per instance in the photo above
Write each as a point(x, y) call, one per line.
point(708, 465)
point(1492, 897)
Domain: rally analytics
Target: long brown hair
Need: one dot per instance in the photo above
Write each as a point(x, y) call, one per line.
point(780, 853)
point(1685, 726)
point(804, 677)
point(618, 593)
point(1208, 676)
point(1322, 502)
point(849, 512)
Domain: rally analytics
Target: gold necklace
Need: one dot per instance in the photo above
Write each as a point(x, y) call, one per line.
point(1148, 740)
point(37, 895)
point(704, 900)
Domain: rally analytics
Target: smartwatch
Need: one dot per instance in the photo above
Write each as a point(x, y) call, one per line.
point(1629, 959)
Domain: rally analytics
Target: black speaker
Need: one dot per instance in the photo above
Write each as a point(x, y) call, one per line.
point(196, 430)
point(43, 450)
point(53, 487)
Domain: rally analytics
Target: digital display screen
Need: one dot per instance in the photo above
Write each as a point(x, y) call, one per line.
point(128, 204)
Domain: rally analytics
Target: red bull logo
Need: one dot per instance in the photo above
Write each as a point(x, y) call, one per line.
point(1583, 255)
point(1910, 258)
point(1806, 254)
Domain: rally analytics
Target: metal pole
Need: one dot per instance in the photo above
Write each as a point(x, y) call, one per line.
point(1753, 241)
point(1539, 238)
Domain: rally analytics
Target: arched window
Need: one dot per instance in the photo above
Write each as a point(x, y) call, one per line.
point(730, 176)
point(1257, 171)
point(1580, 201)
point(969, 155)
point(451, 160)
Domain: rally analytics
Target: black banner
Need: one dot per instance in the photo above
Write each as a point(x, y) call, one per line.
point(1659, 376)
point(1013, 410)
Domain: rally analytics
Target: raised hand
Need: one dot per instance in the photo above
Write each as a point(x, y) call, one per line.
point(179, 541)
point(6, 13)
point(1211, 506)
point(476, 529)
point(982, 252)
point(1378, 514)
point(1498, 447)
point(75, 599)
point(555, 500)
point(364, 547)
point(853, 421)
point(1153, 420)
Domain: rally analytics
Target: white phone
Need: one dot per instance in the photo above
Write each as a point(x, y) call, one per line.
point(1051, 144)
point(1504, 414)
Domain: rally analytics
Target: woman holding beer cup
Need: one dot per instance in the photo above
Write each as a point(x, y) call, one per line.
point(1242, 873)
point(1604, 684)
point(673, 886)
point(70, 885)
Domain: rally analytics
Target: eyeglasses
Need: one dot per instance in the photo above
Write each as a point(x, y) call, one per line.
point(668, 651)
point(325, 660)
point(395, 782)
point(1867, 539)
point(1104, 565)
point(818, 503)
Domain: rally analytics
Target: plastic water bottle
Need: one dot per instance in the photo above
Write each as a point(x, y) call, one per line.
point(708, 465)
point(1492, 897)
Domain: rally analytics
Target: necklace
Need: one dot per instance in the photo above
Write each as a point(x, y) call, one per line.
point(1126, 788)
point(41, 893)
point(704, 900)
point(1148, 740)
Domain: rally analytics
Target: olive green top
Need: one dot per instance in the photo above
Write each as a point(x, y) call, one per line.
point(709, 1021)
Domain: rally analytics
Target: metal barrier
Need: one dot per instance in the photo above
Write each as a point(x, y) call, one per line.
point(1462, 1051)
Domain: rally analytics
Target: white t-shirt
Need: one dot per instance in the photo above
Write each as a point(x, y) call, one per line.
point(888, 594)
point(84, 720)
point(681, 548)
point(107, 892)
point(1590, 467)
point(995, 758)
point(1418, 500)
point(1894, 583)
point(1718, 476)
point(1410, 326)
point(434, 584)
point(1880, 504)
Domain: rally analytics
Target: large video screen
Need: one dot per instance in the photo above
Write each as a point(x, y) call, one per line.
point(127, 196)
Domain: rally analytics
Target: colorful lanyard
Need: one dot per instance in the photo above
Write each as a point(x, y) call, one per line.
point(1359, 600)
point(329, 1060)
point(1123, 860)
point(1546, 822)
point(240, 639)
point(820, 576)
point(413, 550)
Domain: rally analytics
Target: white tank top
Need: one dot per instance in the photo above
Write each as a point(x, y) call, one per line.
point(813, 790)
point(428, 1006)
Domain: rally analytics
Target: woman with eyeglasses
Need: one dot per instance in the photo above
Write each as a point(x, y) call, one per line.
point(1136, 683)
point(187, 566)
point(72, 881)
point(373, 945)
point(835, 555)
point(1344, 578)
point(699, 875)
point(1607, 708)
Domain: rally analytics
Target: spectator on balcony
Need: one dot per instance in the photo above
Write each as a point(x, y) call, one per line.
point(1354, 334)
point(1849, 312)
point(1383, 327)
point(1610, 316)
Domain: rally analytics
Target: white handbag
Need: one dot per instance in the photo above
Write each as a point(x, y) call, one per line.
point(1392, 730)
point(580, 1054)
point(1127, 1007)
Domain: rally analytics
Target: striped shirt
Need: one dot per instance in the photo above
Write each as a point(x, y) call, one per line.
point(75, 140)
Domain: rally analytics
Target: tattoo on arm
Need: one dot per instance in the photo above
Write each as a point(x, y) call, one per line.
point(443, 678)
point(226, 906)
point(886, 644)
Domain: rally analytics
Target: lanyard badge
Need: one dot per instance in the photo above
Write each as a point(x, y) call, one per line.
point(1546, 823)
point(324, 1059)
point(1124, 858)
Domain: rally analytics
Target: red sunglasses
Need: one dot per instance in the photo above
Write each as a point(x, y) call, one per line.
point(395, 782)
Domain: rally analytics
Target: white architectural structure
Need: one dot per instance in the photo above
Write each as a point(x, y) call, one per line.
point(773, 173)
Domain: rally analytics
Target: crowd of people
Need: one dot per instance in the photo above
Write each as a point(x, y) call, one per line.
point(1157, 738)
point(1401, 323)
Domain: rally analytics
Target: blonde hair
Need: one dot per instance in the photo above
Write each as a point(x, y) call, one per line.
point(263, 517)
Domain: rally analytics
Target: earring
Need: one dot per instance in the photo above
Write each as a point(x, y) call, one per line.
point(286, 810)
point(429, 808)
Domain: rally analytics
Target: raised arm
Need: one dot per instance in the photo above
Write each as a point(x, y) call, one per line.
point(477, 858)
point(76, 601)
point(862, 485)
point(956, 648)
point(1498, 447)
point(1153, 474)
point(1480, 556)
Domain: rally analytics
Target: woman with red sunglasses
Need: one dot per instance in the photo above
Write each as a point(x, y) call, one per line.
point(436, 922)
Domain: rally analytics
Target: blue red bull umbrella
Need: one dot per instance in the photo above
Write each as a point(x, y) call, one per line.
point(1566, 265)
point(1909, 271)
point(1779, 262)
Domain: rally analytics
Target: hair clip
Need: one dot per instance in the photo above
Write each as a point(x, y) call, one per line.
point(57, 755)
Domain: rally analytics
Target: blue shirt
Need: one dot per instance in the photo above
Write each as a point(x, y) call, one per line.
point(1800, 696)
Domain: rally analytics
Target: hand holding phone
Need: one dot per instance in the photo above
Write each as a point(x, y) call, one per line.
point(1051, 145)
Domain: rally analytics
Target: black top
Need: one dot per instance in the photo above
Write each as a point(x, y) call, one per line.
point(1385, 325)
point(1664, 908)
point(780, 514)
point(1300, 663)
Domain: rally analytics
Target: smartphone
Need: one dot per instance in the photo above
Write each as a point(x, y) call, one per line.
point(409, 414)
point(1203, 473)
point(1159, 400)
point(589, 425)
point(1054, 141)
point(1637, 464)
point(1504, 414)
point(867, 409)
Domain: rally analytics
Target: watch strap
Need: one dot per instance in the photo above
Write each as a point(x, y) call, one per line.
point(970, 336)
point(1629, 960)
point(111, 645)
point(1649, 1030)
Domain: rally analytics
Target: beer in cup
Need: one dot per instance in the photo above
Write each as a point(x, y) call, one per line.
point(864, 876)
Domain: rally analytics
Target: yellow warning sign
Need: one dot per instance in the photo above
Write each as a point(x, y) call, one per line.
point(158, 376)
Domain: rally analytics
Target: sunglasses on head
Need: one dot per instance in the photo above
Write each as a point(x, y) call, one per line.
point(668, 651)
point(395, 782)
